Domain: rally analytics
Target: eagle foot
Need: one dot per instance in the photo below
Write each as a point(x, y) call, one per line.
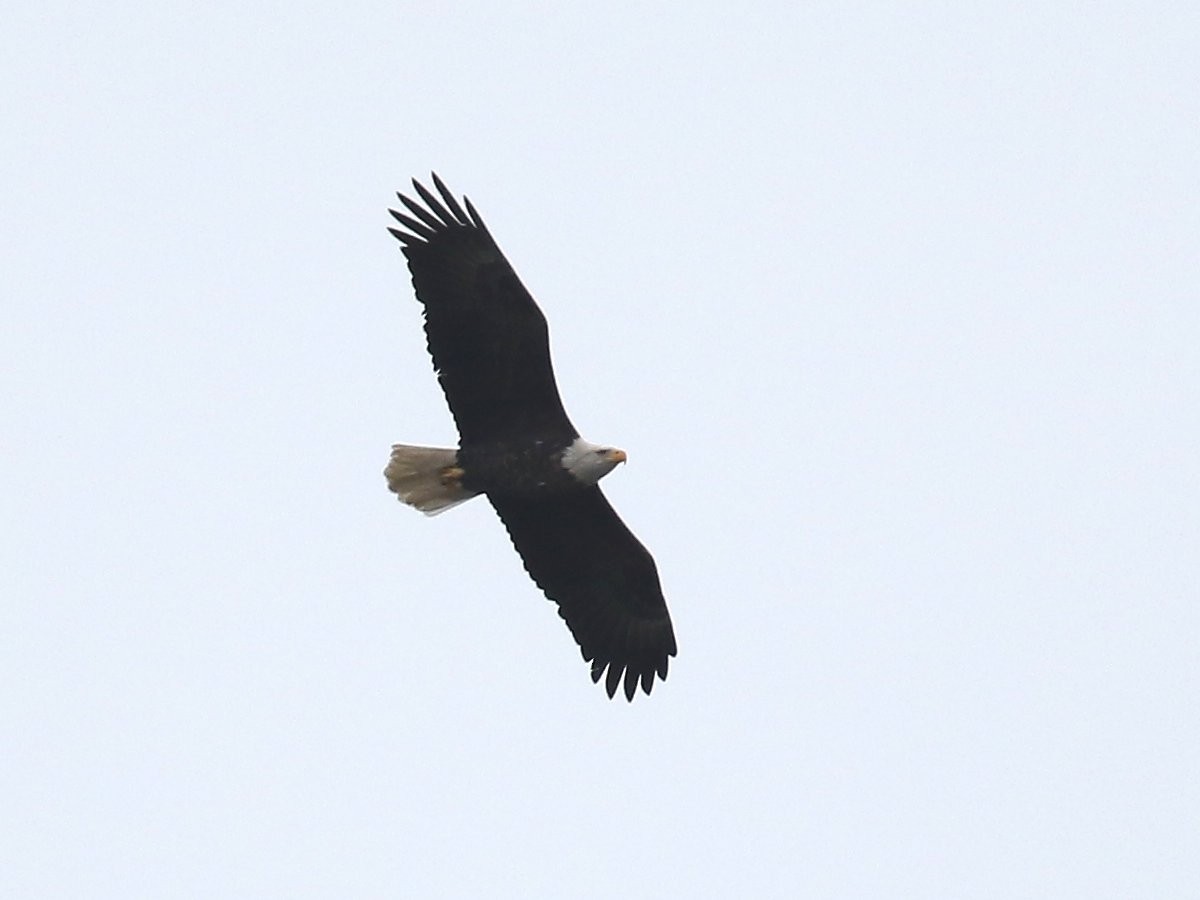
point(452, 475)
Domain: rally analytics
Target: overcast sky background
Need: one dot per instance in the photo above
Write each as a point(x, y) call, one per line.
point(894, 307)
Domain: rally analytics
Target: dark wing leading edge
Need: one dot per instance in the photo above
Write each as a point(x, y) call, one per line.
point(488, 339)
point(604, 581)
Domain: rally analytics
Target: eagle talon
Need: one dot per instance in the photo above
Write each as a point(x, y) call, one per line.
point(452, 475)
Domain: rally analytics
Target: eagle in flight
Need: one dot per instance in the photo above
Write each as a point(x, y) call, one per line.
point(517, 446)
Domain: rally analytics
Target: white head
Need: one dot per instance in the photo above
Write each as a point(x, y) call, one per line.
point(590, 462)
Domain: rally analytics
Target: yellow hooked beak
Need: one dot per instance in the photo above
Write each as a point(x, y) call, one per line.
point(617, 456)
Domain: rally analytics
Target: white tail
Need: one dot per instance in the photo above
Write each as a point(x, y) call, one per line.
point(418, 476)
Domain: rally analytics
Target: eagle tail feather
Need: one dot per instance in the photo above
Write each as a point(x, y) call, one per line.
point(423, 477)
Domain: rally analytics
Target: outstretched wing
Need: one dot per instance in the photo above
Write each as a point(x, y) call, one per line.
point(604, 581)
point(488, 339)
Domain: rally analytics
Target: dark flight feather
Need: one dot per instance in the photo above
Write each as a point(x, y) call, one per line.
point(583, 557)
point(488, 339)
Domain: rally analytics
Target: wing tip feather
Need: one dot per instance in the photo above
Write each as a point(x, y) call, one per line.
point(628, 676)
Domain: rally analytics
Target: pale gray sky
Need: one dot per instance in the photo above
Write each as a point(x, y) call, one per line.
point(894, 306)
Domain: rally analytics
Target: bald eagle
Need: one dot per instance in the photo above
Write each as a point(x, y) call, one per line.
point(491, 351)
